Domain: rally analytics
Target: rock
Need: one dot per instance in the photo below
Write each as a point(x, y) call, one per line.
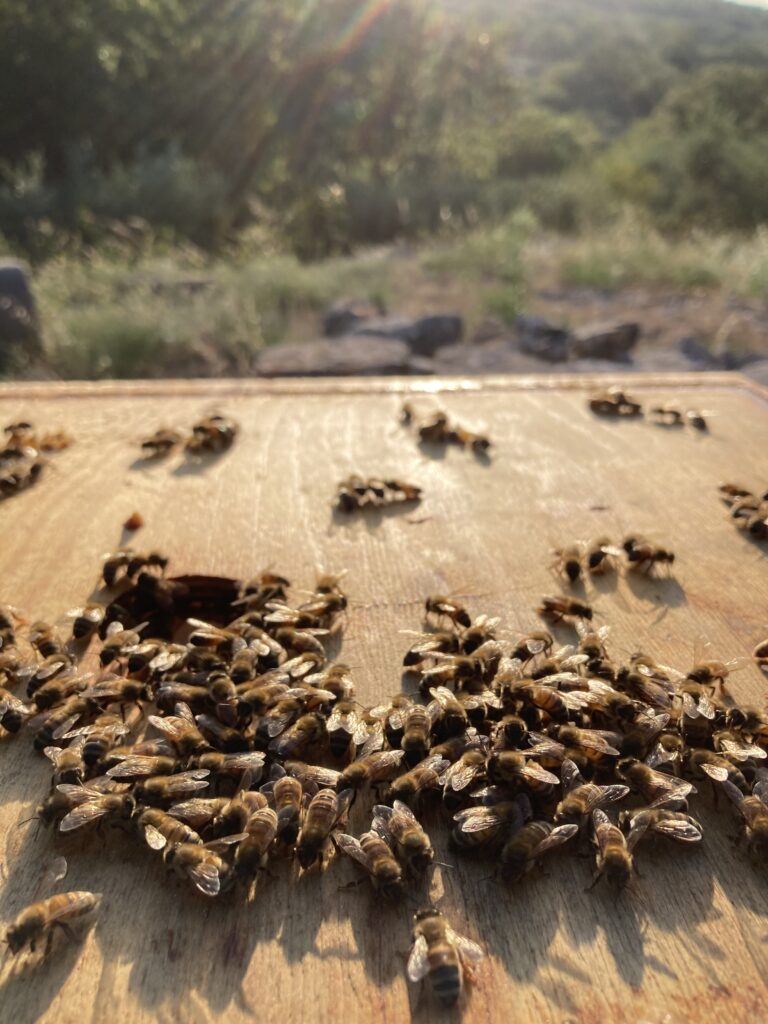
point(18, 317)
point(758, 371)
point(347, 356)
point(489, 329)
point(424, 336)
point(698, 354)
point(612, 341)
point(348, 314)
point(500, 356)
point(539, 338)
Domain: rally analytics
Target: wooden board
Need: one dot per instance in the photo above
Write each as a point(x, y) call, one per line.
point(692, 944)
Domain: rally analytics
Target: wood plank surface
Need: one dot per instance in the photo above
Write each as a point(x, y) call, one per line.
point(691, 944)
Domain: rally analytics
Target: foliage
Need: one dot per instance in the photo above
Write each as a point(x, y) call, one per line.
point(345, 122)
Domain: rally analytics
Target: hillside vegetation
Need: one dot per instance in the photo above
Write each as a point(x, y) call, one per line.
point(349, 122)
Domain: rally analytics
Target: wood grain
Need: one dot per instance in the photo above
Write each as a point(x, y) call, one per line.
point(690, 944)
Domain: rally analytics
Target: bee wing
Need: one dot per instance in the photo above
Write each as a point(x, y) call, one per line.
point(165, 660)
point(597, 742)
point(478, 819)
point(575, 700)
point(684, 830)
point(760, 788)
point(466, 948)
point(347, 720)
point(660, 755)
point(186, 782)
point(706, 707)
point(741, 751)
point(184, 712)
point(556, 837)
point(65, 726)
point(250, 761)
point(52, 753)
point(56, 870)
point(275, 724)
point(716, 772)
point(535, 647)
point(132, 765)
point(418, 962)
point(733, 792)
point(83, 814)
point(155, 840)
point(372, 741)
point(170, 725)
point(532, 770)
point(637, 829)
point(77, 904)
point(609, 795)
point(702, 649)
point(381, 818)
point(326, 778)
point(73, 613)
point(206, 878)
point(570, 775)
point(444, 697)
point(458, 776)
point(195, 812)
point(352, 848)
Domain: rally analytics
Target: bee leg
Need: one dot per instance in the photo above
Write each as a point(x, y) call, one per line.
point(595, 880)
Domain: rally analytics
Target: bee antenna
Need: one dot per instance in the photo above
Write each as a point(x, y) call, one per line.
point(26, 821)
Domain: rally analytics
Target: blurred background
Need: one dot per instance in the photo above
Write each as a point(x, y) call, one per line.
point(197, 187)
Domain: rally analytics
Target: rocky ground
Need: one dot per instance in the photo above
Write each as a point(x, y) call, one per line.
point(606, 332)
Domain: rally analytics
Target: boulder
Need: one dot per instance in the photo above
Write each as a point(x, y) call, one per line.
point(537, 337)
point(348, 314)
point(347, 356)
point(500, 356)
point(758, 370)
point(424, 336)
point(18, 318)
point(613, 341)
point(700, 357)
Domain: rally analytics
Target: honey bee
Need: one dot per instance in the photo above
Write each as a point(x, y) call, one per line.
point(45, 640)
point(346, 729)
point(374, 853)
point(613, 858)
point(115, 566)
point(286, 792)
point(481, 632)
point(201, 865)
point(760, 653)
point(615, 402)
point(754, 813)
point(581, 798)
point(400, 827)
point(378, 766)
point(512, 767)
point(460, 776)
point(451, 717)
point(13, 712)
point(65, 796)
point(326, 811)
point(426, 775)
point(485, 825)
point(657, 788)
point(708, 670)
point(58, 721)
point(706, 763)
point(667, 415)
point(643, 556)
point(212, 434)
point(750, 721)
point(181, 730)
point(199, 812)
point(307, 733)
point(222, 737)
point(729, 490)
point(277, 718)
point(38, 921)
point(86, 621)
point(525, 847)
point(337, 679)
point(600, 555)
point(416, 733)
point(511, 733)
point(160, 830)
point(695, 418)
point(430, 644)
point(569, 561)
point(165, 789)
point(101, 735)
point(252, 851)
point(118, 643)
point(68, 763)
point(160, 444)
point(531, 645)
point(447, 607)
point(560, 607)
point(442, 955)
point(97, 808)
point(660, 821)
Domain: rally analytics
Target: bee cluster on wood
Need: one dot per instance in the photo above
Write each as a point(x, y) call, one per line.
point(436, 428)
point(356, 493)
point(210, 435)
point(23, 458)
point(615, 403)
point(241, 744)
point(747, 511)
